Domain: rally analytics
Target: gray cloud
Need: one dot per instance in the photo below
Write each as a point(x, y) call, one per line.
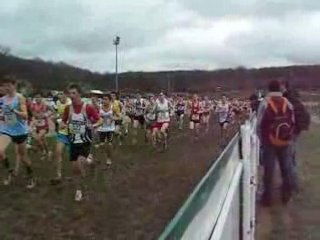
point(259, 8)
point(163, 34)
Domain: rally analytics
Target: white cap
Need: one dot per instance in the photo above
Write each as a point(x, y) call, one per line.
point(97, 92)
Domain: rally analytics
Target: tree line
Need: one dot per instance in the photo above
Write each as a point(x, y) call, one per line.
point(40, 74)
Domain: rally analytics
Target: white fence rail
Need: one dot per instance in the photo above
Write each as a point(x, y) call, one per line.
point(238, 216)
point(223, 205)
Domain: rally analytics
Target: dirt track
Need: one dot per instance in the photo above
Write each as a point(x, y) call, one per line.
point(133, 200)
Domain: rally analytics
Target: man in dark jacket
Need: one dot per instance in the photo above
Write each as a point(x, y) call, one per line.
point(275, 124)
point(302, 123)
point(302, 116)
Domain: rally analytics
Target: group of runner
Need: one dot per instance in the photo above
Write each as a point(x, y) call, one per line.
point(87, 127)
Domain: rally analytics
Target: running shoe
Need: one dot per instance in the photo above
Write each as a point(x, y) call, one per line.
point(109, 162)
point(8, 180)
point(78, 197)
point(50, 153)
point(31, 183)
point(89, 159)
point(165, 145)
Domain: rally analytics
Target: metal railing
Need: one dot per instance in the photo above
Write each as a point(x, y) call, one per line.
point(222, 206)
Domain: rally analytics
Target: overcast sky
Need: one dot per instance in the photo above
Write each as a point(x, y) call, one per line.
point(164, 34)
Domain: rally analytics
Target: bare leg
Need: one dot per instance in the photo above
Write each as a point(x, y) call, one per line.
point(165, 135)
point(181, 122)
point(79, 173)
point(135, 132)
point(59, 152)
point(21, 151)
point(4, 143)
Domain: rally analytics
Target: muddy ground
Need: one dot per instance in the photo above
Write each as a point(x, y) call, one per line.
point(135, 199)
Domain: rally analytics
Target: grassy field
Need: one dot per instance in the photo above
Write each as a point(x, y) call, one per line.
point(133, 200)
point(301, 219)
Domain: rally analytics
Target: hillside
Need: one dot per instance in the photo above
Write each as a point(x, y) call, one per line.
point(49, 75)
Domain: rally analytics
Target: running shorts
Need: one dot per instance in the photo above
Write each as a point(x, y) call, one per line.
point(118, 122)
point(140, 119)
point(17, 139)
point(63, 139)
point(79, 150)
point(106, 137)
point(159, 125)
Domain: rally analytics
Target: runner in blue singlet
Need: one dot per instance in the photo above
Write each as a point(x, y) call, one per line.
point(14, 128)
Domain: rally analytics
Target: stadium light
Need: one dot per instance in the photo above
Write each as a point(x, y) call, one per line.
point(116, 42)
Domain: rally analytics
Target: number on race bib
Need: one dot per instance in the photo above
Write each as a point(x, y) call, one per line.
point(163, 116)
point(41, 123)
point(150, 116)
point(77, 137)
point(75, 128)
point(10, 119)
point(107, 121)
point(195, 117)
point(2, 118)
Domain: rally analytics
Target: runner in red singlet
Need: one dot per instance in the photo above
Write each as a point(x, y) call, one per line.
point(40, 123)
point(195, 111)
point(80, 119)
point(206, 106)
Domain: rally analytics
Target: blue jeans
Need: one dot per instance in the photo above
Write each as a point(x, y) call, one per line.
point(283, 155)
point(295, 178)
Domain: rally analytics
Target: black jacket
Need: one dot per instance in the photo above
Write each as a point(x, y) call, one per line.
point(302, 116)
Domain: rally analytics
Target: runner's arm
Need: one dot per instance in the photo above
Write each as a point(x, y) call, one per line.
point(32, 122)
point(65, 115)
point(218, 109)
point(118, 113)
point(50, 111)
point(156, 110)
point(114, 115)
point(23, 113)
point(171, 108)
point(94, 116)
point(121, 107)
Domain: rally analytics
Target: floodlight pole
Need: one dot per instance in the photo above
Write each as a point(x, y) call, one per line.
point(116, 42)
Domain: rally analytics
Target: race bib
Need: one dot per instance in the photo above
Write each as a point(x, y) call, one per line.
point(223, 117)
point(2, 119)
point(77, 129)
point(163, 116)
point(195, 117)
point(139, 112)
point(10, 118)
point(181, 108)
point(151, 116)
point(107, 121)
point(41, 123)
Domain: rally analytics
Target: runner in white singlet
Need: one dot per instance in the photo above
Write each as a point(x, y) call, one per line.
point(163, 119)
point(180, 111)
point(107, 129)
point(150, 120)
point(138, 118)
point(223, 112)
point(206, 112)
